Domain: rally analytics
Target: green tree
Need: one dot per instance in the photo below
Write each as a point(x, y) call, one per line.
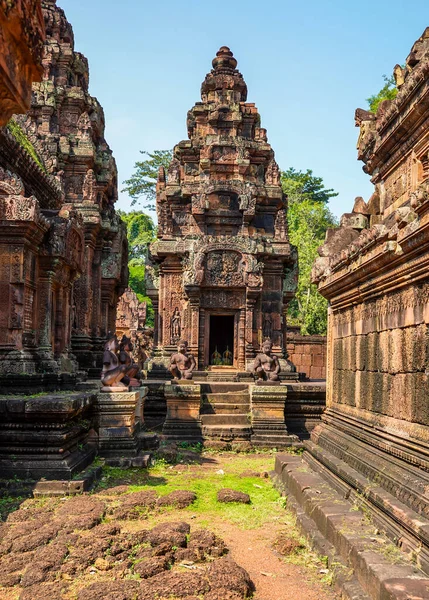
point(300, 185)
point(308, 220)
point(387, 92)
point(142, 183)
point(140, 232)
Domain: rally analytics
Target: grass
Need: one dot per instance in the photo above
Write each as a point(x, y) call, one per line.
point(266, 503)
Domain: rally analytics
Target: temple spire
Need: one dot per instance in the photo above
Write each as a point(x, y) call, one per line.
point(224, 83)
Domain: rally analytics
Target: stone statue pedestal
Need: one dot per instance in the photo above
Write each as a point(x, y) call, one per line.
point(120, 418)
point(183, 421)
point(268, 416)
point(267, 383)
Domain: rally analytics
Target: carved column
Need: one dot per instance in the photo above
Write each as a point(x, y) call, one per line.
point(45, 309)
point(195, 324)
point(241, 340)
point(250, 307)
point(201, 344)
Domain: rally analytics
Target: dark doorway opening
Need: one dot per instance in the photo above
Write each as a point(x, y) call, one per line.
point(221, 346)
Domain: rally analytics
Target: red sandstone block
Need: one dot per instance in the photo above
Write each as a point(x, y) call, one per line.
point(318, 360)
point(306, 360)
point(317, 373)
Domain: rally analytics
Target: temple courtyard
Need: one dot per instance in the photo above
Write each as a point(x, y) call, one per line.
point(165, 532)
point(166, 431)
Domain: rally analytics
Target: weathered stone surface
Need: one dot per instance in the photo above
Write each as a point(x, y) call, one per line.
point(268, 405)
point(49, 425)
point(131, 321)
point(63, 247)
point(374, 435)
point(227, 495)
point(119, 419)
point(223, 270)
point(183, 412)
point(21, 50)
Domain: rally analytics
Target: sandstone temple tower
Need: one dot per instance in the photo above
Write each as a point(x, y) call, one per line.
point(223, 269)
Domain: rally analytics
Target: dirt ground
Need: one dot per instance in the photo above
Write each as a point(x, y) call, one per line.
point(163, 534)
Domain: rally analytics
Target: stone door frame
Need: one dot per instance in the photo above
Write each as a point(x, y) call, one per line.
point(223, 312)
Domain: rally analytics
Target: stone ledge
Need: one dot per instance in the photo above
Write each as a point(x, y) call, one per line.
point(362, 549)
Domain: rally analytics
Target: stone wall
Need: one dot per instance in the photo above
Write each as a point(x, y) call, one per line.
point(308, 354)
point(374, 271)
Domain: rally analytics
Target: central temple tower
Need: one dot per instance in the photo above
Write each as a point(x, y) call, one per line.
point(223, 271)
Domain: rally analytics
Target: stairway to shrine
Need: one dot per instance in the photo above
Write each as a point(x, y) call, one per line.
point(225, 412)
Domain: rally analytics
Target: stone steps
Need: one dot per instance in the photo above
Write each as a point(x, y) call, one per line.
point(219, 387)
point(225, 413)
point(231, 398)
point(373, 567)
point(223, 408)
point(225, 420)
point(229, 432)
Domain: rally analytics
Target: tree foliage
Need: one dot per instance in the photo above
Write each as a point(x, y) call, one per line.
point(140, 232)
point(387, 92)
point(142, 183)
point(308, 219)
point(300, 185)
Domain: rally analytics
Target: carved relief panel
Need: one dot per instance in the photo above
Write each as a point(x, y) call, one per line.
point(223, 268)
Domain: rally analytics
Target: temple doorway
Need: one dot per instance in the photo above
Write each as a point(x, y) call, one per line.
point(221, 340)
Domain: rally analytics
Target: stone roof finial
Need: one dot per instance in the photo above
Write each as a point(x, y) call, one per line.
point(224, 59)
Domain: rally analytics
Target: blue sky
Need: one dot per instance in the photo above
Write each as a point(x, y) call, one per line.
point(308, 66)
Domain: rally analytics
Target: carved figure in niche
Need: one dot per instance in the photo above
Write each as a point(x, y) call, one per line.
point(216, 358)
point(252, 271)
point(142, 312)
point(267, 328)
point(176, 326)
point(173, 171)
point(112, 372)
point(182, 363)
point(272, 176)
point(280, 227)
point(245, 200)
point(266, 366)
point(132, 376)
point(227, 357)
point(89, 187)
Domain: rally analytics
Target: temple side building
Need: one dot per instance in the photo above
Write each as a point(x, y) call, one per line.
point(372, 444)
point(63, 247)
point(223, 269)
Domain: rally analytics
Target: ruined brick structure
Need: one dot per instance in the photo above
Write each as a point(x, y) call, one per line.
point(22, 34)
point(73, 259)
point(372, 444)
point(223, 269)
point(307, 353)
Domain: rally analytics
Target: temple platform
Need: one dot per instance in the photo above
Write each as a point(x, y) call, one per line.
point(228, 414)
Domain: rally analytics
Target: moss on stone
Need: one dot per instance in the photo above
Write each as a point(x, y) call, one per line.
point(18, 133)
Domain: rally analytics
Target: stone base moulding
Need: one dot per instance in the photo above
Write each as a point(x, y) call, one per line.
point(120, 418)
point(335, 519)
point(183, 421)
point(268, 417)
point(45, 437)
